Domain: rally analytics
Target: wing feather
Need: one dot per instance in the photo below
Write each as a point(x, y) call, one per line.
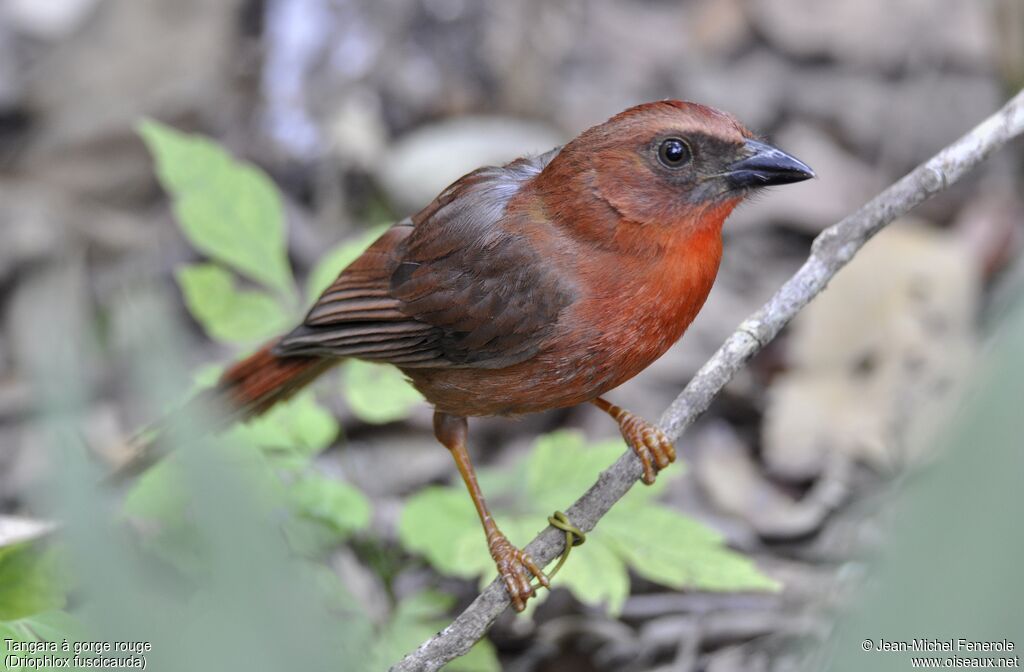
point(452, 286)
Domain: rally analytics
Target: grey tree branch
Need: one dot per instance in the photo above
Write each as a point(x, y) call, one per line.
point(831, 250)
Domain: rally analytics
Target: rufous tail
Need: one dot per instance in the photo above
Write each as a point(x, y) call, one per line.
point(253, 385)
point(245, 390)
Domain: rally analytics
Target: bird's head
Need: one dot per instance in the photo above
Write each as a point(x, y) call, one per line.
point(671, 162)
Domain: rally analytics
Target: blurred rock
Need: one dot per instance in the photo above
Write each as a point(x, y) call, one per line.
point(809, 414)
point(897, 122)
point(23, 465)
point(16, 399)
point(49, 20)
point(357, 133)
point(295, 34)
point(580, 62)
point(739, 87)
point(720, 27)
point(1009, 41)
point(876, 358)
point(736, 485)
point(40, 223)
point(409, 461)
point(418, 166)
point(134, 58)
point(315, 53)
point(991, 224)
point(11, 75)
point(913, 32)
point(362, 583)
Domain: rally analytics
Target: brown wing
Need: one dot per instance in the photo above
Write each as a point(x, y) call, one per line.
point(453, 286)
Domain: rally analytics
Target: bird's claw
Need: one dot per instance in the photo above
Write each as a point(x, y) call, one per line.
point(517, 571)
point(649, 443)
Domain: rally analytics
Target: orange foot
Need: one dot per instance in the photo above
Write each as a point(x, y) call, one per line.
point(648, 442)
point(516, 569)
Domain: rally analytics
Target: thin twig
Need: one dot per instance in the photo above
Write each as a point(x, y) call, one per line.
point(832, 250)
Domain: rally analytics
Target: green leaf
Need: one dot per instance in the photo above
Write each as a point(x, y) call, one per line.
point(481, 658)
point(227, 209)
point(31, 581)
point(661, 544)
point(334, 262)
point(562, 467)
point(676, 551)
point(50, 626)
point(229, 315)
point(596, 575)
point(14, 633)
point(53, 626)
point(299, 425)
point(338, 504)
point(158, 495)
point(377, 393)
point(441, 524)
point(206, 376)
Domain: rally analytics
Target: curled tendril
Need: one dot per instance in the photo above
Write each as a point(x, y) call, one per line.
point(574, 536)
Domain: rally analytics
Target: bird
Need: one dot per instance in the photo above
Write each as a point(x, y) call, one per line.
point(540, 284)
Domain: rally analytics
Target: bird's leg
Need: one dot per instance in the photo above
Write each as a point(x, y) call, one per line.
point(515, 567)
point(648, 442)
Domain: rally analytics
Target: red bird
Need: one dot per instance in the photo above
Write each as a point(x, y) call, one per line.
point(541, 284)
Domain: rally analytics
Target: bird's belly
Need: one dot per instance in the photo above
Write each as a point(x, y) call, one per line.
point(555, 378)
point(530, 387)
point(593, 349)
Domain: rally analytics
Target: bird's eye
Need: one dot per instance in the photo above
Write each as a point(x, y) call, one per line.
point(674, 153)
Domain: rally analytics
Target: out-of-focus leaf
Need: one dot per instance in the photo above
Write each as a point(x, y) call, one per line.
point(378, 393)
point(228, 314)
point(31, 581)
point(677, 551)
point(298, 425)
point(562, 466)
point(159, 498)
point(158, 494)
point(596, 575)
point(954, 543)
point(334, 262)
point(442, 525)
point(481, 658)
point(50, 626)
point(53, 626)
point(333, 502)
point(206, 376)
point(227, 209)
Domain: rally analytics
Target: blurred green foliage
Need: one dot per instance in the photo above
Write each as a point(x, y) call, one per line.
point(30, 581)
point(228, 314)
point(228, 210)
point(231, 212)
point(225, 572)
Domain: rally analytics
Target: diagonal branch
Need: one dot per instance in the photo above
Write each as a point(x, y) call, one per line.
point(832, 250)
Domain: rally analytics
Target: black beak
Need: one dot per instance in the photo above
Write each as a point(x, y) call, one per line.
point(765, 166)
